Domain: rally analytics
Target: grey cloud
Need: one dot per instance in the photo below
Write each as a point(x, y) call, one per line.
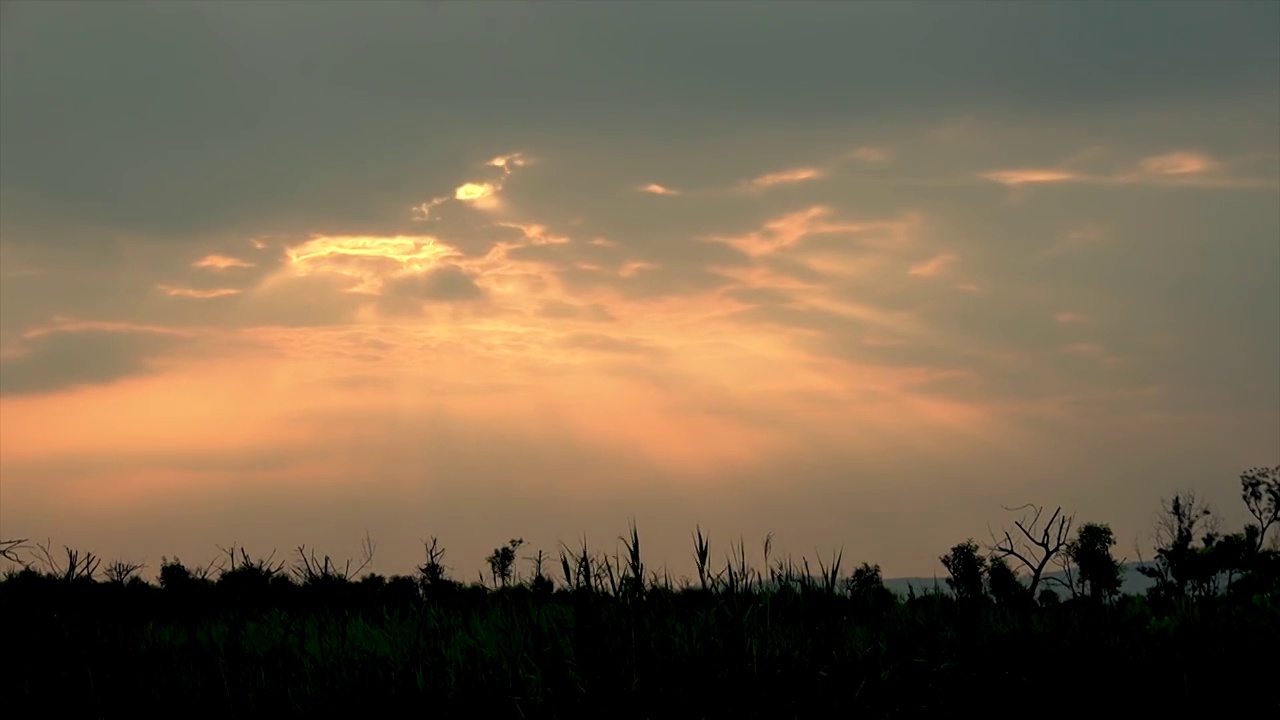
point(259, 116)
point(63, 360)
point(443, 284)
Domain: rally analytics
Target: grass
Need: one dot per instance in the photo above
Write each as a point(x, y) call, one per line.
point(609, 639)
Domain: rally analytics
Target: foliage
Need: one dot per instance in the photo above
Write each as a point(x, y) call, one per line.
point(1099, 572)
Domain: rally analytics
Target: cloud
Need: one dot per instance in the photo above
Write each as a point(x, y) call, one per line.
point(1177, 163)
point(367, 260)
point(656, 189)
point(630, 269)
point(785, 177)
point(788, 230)
point(422, 211)
point(172, 291)
point(1029, 176)
point(1080, 237)
point(1069, 318)
point(73, 355)
point(1173, 169)
point(535, 233)
point(507, 162)
point(444, 284)
point(481, 195)
point(222, 262)
point(934, 266)
point(870, 154)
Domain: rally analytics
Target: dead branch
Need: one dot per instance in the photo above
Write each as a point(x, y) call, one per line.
point(1037, 545)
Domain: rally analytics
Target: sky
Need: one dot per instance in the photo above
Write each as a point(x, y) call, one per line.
point(861, 275)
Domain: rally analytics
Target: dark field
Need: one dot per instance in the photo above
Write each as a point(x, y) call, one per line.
point(269, 639)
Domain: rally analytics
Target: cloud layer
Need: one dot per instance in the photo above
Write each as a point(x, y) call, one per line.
point(760, 280)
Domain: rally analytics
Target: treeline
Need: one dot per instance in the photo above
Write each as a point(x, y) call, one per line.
point(1193, 558)
point(585, 635)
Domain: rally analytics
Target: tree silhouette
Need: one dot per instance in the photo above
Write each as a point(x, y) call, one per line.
point(1038, 544)
point(1100, 573)
point(1260, 488)
point(1181, 565)
point(967, 569)
point(503, 561)
point(1003, 583)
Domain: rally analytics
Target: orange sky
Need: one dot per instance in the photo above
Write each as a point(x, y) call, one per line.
point(856, 329)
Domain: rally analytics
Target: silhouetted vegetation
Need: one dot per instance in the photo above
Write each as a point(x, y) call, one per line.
point(247, 636)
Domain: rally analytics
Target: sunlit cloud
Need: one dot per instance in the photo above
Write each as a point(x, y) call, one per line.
point(368, 260)
point(1029, 176)
point(630, 269)
point(1174, 169)
point(1178, 163)
point(1069, 317)
point(789, 229)
point(656, 189)
point(507, 162)
point(785, 177)
point(473, 192)
point(172, 291)
point(481, 195)
point(220, 262)
point(422, 211)
point(535, 233)
point(934, 266)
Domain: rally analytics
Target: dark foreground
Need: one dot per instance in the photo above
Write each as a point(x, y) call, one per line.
point(115, 650)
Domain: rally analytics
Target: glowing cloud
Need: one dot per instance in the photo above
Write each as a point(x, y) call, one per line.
point(1177, 163)
point(172, 291)
point(536, 234)
point(506, 162)
point(422, 211)
point(370, 260)
point(933, 267)
point(1015, 178)
point(1069, 317)
point(788, 230)
point(220, 262)
point(656, 189)
point(471, 192)
point(786, 177)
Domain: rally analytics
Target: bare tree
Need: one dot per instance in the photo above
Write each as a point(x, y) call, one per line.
point(121, 571)
point(76, 567)
point(1037, 545)
point(9, 551)
point(309, 569)
point(1260, 488)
